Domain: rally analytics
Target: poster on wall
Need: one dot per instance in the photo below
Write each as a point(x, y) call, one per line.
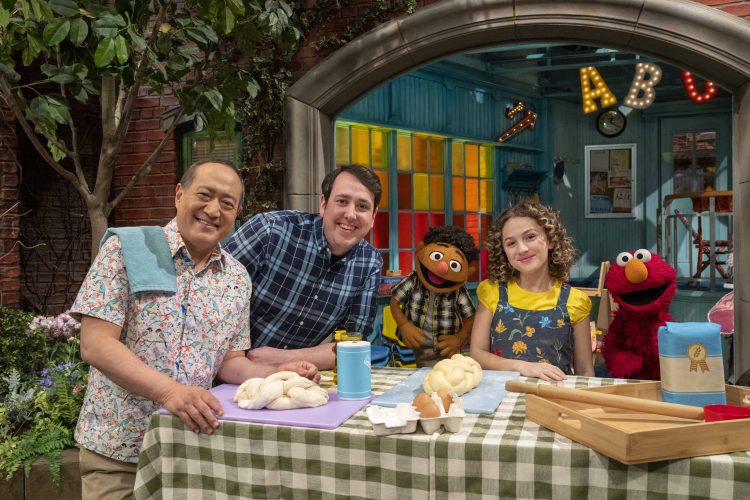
point(610, 180)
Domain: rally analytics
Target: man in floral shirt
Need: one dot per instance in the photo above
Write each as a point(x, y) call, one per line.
point(148, 349)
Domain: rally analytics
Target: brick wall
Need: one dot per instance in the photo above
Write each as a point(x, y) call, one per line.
point(737, 8)
point(151, 200)
point(10, 285)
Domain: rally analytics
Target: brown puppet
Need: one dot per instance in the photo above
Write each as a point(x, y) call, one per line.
point(432, 308)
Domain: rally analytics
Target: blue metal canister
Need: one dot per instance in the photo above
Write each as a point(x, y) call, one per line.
point(353, 365)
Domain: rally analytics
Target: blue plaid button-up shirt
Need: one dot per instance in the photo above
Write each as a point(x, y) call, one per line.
point(299, 297)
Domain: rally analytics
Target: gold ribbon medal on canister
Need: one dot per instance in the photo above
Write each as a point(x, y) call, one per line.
point(697, 354)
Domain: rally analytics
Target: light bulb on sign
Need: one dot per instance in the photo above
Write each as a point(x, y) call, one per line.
point(641, 94)
point(688, 81)
point(511, 112)
point(589, 76)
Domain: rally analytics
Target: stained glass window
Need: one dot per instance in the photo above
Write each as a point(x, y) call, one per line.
point(438, 180)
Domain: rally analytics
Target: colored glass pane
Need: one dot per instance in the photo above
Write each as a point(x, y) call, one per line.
point(404, 191)
point(437, 192)
point(485, 222)
point(342, 146)
point(485, 162)
point(484, 258)
point(457, 158)
point(404, 230)
point(421, 225)
point(421, 192)
point(405, 262)
point(437, 219)
point(436, 156)
point(472, 225)
point(386, 262)
point(458, 220)
point(472, 160)
point(403, 152)
point(377, 152)
point(380, 230)
point(383, 176)
point(472, 195)
point(361, 146)
point(485, 196)
point(421, 159)
point(458, 195)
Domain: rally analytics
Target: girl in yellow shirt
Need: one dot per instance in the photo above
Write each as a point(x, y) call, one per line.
point(529, 319)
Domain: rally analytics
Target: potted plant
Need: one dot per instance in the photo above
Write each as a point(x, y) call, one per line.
point(41, 390)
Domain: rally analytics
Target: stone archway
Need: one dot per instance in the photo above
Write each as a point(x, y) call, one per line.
point(684, 33)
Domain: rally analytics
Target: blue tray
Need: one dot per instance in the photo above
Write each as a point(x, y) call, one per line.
point(485, 398)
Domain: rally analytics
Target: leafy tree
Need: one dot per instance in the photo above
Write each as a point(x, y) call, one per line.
point(108, 52)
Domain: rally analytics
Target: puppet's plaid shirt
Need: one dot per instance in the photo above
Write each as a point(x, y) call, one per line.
point(447, 313)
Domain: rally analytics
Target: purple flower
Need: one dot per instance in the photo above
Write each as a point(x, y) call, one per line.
point(47, 382)
point(44, 372)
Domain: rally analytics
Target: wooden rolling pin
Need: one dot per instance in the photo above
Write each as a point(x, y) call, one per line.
point(610, 400)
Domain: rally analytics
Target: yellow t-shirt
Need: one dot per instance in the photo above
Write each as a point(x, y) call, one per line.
point(579, 304)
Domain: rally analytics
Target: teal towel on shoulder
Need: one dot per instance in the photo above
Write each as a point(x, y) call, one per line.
point(148, 259)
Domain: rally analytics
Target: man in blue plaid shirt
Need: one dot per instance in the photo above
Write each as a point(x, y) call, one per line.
point(312, 274)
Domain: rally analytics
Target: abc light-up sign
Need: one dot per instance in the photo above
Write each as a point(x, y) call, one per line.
point(642, 91)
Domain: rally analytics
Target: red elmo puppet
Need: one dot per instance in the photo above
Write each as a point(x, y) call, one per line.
point(643, 285)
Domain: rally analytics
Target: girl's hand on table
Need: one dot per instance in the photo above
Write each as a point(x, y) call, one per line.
point(544, 371)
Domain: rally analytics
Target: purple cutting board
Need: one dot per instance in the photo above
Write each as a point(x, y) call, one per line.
point(329, 416)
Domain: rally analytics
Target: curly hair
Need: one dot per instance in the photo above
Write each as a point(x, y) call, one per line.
point(455, 236)
point(561, 257)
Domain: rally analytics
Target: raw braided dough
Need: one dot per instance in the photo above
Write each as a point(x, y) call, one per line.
point(284, 390)
point(459, 375)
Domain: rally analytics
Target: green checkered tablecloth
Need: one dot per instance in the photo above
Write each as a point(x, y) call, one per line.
point(494, 456)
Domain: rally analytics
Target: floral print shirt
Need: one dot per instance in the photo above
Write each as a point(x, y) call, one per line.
point(184, 335)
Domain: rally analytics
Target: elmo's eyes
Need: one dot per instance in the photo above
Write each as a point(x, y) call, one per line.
point(624, 257)
point(643, 255)
point(436, 256)
point(455, 266)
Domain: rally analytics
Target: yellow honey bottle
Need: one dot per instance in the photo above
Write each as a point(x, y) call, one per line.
point(339, 336)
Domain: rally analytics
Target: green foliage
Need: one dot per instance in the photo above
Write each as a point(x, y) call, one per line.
point(20, 349)
point(80, 42)
point(39, 408)
point(377, 12)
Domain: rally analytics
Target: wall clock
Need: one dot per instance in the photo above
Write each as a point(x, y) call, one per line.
point(611, 123)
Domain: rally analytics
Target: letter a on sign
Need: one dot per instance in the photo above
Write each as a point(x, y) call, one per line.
point(590, 77)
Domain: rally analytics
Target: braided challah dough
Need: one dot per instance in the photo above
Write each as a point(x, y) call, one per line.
point(280, 391)
point(459, 374)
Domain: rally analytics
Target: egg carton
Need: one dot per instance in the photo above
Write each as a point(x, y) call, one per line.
point(450, 420)
point(399, 420)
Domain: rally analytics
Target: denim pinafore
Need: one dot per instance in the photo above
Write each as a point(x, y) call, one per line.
point(535, 336)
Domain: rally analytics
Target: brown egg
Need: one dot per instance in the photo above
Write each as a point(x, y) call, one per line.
point(446, 397)
point(429, 410)
point(421, 399)
point(426, 407)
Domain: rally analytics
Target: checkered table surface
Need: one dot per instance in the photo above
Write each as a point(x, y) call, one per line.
point(494, 456)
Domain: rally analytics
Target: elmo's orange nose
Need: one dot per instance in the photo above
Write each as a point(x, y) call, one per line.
point(636, 271)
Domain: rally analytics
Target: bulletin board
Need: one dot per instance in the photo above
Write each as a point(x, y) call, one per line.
point(610, 180)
